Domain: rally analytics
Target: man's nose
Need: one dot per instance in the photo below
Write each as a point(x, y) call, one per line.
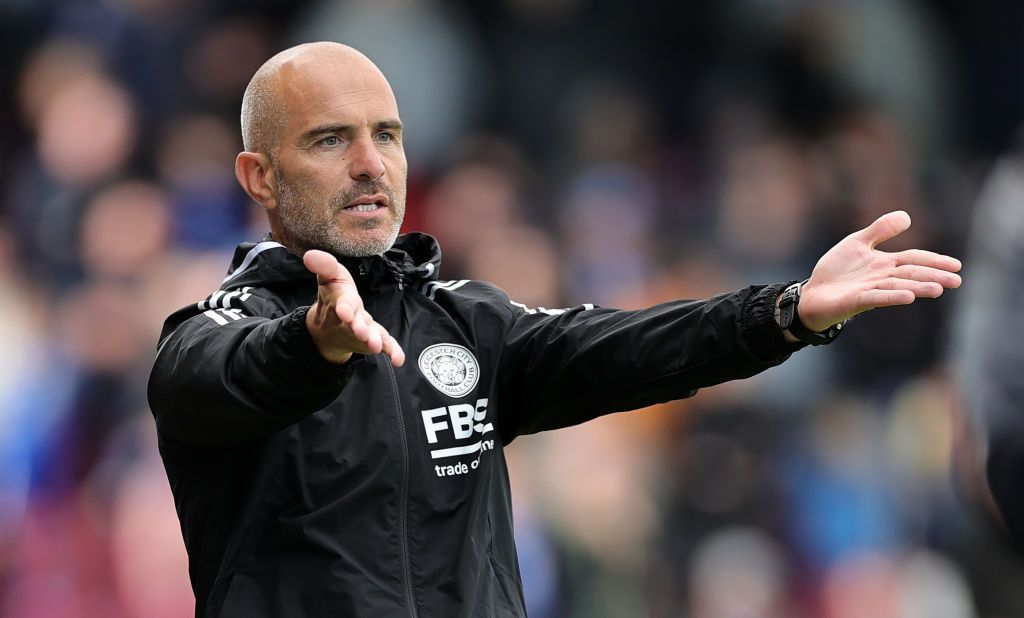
point(367, 163)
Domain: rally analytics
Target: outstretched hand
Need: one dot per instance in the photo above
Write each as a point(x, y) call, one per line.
point(337, 321)
point(854, 276)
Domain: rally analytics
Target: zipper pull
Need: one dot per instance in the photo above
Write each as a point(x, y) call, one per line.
point(397, 272)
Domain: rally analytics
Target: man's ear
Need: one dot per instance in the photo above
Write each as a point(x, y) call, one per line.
point(256, 175)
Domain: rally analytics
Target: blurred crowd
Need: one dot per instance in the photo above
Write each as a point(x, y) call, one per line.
point(570, 151)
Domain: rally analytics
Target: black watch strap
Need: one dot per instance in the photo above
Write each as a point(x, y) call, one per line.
point(789, 319)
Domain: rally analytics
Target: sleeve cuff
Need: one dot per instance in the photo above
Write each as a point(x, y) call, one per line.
point(761, 331)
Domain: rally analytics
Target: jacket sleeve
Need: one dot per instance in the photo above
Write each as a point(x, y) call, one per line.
point(222, 376)
point(561, 369)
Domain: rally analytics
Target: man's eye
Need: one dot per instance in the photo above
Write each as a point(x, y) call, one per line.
point(330, 140)
point(385, 137)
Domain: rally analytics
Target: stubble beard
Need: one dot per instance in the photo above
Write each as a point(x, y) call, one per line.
point(309, 226)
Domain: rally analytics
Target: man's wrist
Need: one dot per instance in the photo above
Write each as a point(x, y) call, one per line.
point(336, 359)
point(787, 315)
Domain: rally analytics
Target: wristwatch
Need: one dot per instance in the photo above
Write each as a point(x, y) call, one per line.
point(789, 319)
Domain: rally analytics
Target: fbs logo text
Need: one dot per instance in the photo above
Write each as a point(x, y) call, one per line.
point(464, 421)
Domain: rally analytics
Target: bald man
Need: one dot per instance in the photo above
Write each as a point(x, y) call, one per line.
point(320, 471)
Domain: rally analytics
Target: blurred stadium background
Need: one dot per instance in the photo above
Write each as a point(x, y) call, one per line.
point(571, 151)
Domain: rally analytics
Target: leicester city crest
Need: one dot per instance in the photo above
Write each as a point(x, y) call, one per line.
point(450, 368)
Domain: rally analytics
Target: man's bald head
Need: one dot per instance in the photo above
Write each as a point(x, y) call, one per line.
point(264, 106)
point(323, 150)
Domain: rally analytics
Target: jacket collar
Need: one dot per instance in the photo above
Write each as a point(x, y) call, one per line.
point(414, 260)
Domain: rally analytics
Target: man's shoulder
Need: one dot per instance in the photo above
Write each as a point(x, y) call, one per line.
point(468, 294)
point(461, 289)
point(225, 305)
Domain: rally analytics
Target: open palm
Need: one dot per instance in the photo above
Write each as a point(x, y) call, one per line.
point(854, 276)
point(338, 322)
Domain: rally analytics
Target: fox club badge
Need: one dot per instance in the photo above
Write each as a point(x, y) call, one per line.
point(450, 368)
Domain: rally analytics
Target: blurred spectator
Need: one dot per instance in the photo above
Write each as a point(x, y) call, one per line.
point(468, 207)
point(988, 346)
point(86, 130)
point(734, 560)
point(153, 583)
point(195, 162)
point(85, 133)
point(608, 224)
point(125, 230)
point(839, 493)
point(605, 549)
point(886, 586)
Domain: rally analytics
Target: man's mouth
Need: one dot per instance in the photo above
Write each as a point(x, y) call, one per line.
point(367, 203)
point(363, 207)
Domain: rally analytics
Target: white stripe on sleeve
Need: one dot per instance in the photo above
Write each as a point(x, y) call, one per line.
point(213, 315)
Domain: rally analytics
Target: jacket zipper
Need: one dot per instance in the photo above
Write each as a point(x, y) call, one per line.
point(397, 272)
point(403, 519)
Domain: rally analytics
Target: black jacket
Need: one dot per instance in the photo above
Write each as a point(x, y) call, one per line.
point(307, 489)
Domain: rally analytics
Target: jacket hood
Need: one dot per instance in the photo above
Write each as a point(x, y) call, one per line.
point(414, 259)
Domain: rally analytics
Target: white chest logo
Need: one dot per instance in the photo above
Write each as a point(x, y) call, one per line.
point(450, 368)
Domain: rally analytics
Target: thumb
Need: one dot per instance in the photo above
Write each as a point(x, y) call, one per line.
point(885, 227)
point(325, 267)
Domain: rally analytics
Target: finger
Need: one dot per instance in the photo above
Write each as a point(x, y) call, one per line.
point(885, 227)
point(872, 299)
point(394, 351)
point(360, 326)
point(923, 273)
point(920, 289)
point(347, 303)
point(325, 267)
point(919, 257)
point(375, 338)
point(345, 310)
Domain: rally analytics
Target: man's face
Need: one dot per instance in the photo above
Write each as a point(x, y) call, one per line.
point(340, 165)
